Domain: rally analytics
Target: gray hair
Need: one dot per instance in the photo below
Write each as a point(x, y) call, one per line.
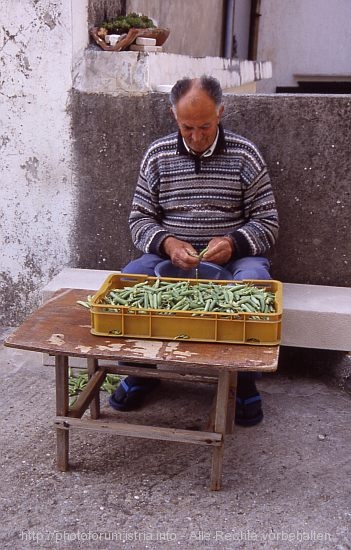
point(208, 84)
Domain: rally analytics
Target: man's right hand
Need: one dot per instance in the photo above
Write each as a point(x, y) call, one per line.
point(180, 253)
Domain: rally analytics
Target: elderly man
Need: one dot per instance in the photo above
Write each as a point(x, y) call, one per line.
point(202, 186)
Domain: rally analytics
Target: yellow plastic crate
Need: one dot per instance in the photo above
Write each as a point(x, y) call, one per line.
point(234, 328)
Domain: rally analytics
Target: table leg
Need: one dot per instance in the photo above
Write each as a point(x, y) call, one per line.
point(233, 381)
point(93, 366)
point(220, 427)
point(62, 406)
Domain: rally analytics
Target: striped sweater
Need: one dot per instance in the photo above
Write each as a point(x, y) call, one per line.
point(195, 199)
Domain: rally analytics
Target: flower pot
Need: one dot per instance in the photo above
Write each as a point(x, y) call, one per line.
point(159, 34)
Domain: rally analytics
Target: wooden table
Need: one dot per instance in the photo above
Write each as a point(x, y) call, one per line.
point(61, 328)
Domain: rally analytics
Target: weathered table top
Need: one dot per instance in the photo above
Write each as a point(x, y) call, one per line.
point(62, 327)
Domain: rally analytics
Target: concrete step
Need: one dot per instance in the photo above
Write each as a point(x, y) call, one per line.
point(316, 316)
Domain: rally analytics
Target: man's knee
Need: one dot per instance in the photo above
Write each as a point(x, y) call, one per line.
point(252, 267)
point(145, 265)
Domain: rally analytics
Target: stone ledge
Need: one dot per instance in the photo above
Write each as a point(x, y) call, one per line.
point(69, 277)
point(127, 72)
point(316, 316)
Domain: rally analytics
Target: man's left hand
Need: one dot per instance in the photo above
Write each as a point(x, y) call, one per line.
point(220, 250)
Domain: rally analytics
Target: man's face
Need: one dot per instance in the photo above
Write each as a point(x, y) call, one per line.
point(197, 117)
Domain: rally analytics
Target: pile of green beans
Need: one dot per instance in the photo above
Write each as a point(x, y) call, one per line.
point(79, 379)
point(198, 297)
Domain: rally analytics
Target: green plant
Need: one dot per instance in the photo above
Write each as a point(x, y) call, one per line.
point(125, 22)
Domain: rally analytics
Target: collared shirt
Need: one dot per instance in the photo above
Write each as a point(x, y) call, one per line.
point(218, 146)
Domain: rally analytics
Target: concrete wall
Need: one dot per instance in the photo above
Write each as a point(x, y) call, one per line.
point(241, 28)
point(304, 37)
point(37, 198)
point(305, 140)
point(102, 10)
point(196, 26)
point(130, 73)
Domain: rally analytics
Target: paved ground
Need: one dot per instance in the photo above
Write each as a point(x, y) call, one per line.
point(286, 482)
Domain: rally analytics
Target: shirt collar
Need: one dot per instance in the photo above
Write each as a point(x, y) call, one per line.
point(218, 146)
point(208, 151)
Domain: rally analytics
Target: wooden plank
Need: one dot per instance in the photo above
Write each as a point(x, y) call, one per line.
point(61, 376)
point(162, 373)
point(141, 431)
point(211, 414)
point(220, 427)
point(230, 406)
point(93, 366)
point(222, 401)
point(233, 381)
point(62, 449)
point(62, 436)
point(91, 390)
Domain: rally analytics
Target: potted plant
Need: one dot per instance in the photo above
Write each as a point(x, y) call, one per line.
point(129, 27)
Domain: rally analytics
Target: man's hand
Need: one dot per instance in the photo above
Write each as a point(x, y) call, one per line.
point(181, 253)
point(220, 250)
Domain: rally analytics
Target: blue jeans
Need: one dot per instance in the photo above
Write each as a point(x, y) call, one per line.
point(249, 267)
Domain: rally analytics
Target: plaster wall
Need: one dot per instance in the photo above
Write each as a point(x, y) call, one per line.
point(37, 198)
point(304, 37)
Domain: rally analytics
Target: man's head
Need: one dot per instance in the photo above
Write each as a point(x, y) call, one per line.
point(197, 108)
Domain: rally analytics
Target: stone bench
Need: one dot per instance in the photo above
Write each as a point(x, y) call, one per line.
point(314, 316)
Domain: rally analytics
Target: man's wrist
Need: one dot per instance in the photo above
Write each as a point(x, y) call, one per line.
point(167, 243)
point(230, 241)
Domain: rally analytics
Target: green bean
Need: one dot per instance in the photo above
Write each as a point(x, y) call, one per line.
point(77, 383)
point(187, 295)
point(193, 254)
point(84, 304)
point(202, 253)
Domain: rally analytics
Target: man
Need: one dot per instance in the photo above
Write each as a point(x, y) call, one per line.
point(202, 186)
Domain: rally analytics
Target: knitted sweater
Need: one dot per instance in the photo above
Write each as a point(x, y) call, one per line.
point(195, 199)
